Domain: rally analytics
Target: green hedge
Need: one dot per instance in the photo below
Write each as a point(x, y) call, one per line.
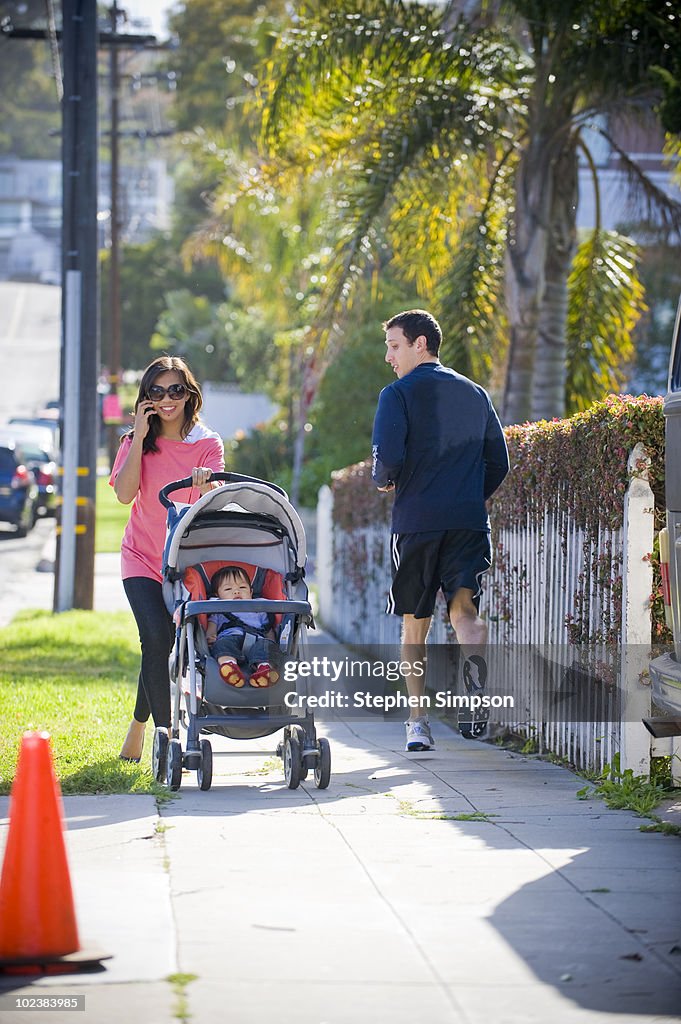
point(579, 463)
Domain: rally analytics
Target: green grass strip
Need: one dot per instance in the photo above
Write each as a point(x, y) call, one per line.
point(111, 518)
point(73, 675)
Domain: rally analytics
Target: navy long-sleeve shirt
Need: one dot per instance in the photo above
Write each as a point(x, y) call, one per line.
point(438, 438)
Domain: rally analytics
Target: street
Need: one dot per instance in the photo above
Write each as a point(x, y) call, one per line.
point(22, 585)
point(30, 345)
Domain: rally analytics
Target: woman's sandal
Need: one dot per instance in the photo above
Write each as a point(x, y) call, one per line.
point(133, 742)
point(232, 674)
point(264, 675)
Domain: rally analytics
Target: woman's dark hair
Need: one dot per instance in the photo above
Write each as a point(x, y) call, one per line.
point(192, 405)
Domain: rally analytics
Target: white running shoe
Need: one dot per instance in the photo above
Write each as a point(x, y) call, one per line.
point(419, 736)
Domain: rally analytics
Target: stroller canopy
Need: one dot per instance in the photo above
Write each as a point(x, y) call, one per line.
point(236, 512)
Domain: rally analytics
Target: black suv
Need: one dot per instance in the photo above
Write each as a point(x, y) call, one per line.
point(18, 489)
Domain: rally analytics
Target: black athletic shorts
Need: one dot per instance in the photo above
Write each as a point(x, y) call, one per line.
point(424, 562)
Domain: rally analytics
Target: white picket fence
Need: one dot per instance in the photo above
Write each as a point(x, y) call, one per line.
point(543, 574)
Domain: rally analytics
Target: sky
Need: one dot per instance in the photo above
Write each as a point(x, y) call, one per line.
point(151, 12)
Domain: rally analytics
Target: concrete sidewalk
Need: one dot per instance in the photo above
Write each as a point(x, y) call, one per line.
point(462, 885)
point(468, 884)
point(35, 588)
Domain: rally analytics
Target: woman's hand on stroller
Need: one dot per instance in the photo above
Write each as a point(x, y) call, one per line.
point(202, 478)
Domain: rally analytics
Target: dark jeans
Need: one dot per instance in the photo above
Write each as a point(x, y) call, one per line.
point(157, 635)
point(232, 645)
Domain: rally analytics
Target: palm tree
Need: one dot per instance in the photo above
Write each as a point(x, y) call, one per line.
point(587, 58)
point(272, 244)
point(456, 143)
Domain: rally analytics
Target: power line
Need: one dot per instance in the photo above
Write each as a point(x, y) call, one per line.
point(121, 39)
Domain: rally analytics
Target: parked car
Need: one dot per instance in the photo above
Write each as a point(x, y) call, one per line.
point(40, 433)
point(18, 489)
point(46, 427)
point(665, 671)
point(41, 460)
point(44, 466)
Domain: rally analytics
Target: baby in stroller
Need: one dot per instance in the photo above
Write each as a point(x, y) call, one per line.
point(227, 633)
point(249, 525)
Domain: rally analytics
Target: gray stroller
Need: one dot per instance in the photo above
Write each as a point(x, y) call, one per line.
point(249, 523)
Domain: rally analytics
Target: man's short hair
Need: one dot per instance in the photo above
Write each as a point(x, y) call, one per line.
point(417, 322)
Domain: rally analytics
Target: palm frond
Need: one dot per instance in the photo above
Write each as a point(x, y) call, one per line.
point(658, 208)
point(672, 154)
point(605, 302)
point(430, 206)
point(467, 296)
point(345, 81)
point(435, 111)
point(270, 237)
point(334, 50)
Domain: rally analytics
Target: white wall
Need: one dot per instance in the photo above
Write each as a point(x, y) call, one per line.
point(228, 410)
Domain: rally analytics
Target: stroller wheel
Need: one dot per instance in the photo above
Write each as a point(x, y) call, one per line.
point(299, 733)
point(174, 765)
point(204, 774)
point(292, 761)
point(322, 772)
point(159, 754)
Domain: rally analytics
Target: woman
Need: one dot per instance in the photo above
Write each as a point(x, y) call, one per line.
point(167, 442)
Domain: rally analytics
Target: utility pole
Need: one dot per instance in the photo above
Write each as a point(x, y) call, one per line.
point(74, 568)
point(74, 582)
point(114, 253)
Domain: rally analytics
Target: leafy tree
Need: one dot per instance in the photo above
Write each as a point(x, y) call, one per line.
point(148, 272)
point(29, 105)
point(220, 341)
point(341, 417)
point(189, 327)
point(220, 47)
point(272, 243)
point(265, 452)
point(219, 50)
point(463, 139)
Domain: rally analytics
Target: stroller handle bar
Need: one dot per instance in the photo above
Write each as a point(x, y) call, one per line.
point(227, 478)
point(259, 604)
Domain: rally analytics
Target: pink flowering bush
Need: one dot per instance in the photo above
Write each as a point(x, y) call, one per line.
point(356, 501)
point(578, 465)
point(582, 461)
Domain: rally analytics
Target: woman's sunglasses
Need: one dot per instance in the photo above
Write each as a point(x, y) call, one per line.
point(175, 392)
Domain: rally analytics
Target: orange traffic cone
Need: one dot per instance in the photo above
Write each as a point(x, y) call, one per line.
point(37, 918)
